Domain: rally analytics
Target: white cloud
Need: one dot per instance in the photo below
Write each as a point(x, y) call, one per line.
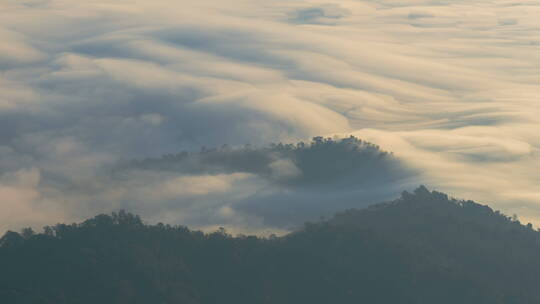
point(450, 86)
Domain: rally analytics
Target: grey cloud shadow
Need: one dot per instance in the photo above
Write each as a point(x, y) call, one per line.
point(325, 14)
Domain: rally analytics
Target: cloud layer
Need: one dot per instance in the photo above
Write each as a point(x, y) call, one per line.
point(451, 87)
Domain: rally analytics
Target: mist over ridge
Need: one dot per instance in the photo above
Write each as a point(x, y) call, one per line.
point(245, 188)
point(269, 152)
point(301, 181)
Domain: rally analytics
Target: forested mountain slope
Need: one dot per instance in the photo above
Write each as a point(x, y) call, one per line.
point(420, 248)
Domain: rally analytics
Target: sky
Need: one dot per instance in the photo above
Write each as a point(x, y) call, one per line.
point(450, 88)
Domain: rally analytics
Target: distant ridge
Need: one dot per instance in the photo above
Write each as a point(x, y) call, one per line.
point(321, 162)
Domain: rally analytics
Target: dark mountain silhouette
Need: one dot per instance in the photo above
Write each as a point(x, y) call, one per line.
point(323, 162)
point(421, 248)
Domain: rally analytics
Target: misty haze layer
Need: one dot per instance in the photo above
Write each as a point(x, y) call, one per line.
point(288, 183)
point(451, 87)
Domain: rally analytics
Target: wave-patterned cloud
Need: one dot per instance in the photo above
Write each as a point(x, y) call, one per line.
point(451, 87)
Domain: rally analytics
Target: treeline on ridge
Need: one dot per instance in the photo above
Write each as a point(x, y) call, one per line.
point(421, 248)
point(319, 162)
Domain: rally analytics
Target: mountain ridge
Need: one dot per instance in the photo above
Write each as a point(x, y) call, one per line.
point(421, 248)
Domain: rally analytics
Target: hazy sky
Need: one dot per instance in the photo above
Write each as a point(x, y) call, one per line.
point(452, 88)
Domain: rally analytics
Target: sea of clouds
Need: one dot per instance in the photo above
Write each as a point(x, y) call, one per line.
point(451, 87)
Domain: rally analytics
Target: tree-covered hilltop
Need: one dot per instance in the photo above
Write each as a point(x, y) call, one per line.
point(420, 248)
point(320, 162)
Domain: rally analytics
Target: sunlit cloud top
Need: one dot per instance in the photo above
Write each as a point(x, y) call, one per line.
point(451, 87)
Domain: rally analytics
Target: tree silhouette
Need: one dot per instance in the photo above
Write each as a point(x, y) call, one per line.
point(421, 248)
